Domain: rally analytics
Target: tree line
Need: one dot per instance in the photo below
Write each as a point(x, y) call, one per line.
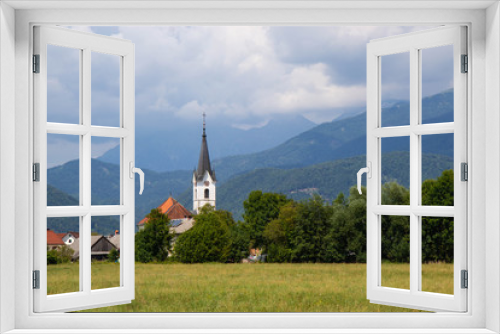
point(307, 231)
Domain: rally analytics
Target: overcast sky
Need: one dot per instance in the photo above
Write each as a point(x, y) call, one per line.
point(241, 75)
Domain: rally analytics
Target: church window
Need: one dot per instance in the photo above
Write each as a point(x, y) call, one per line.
point(207, 193)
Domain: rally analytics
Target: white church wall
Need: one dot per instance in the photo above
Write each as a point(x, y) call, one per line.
point(199, 192)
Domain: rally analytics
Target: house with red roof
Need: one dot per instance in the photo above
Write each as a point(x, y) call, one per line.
point(181, 219)
point(54, 240)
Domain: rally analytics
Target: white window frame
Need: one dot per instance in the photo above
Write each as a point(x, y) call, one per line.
point(482, 18)
point(86, 44)
point(412, 44)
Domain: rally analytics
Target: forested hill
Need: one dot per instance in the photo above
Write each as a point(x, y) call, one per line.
point(338, 139)
point(322, 160)
point(158, 187)
point(327, 179)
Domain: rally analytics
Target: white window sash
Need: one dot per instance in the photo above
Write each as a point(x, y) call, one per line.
point(87, 43)
point(414, 297)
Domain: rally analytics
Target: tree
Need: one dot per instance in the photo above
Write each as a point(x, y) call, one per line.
point(280, 234)
point(260, 209)
point(240, 242)
point(210, 238)
point(437, 232)
point(312, 229)
point(113, 255)
point(62, 254)
point(346, 241)
point(153, 243)
point(395, 194)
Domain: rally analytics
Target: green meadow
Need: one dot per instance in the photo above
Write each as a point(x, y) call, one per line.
point(261, 287)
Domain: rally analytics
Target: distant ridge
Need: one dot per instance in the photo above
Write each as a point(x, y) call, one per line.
point(338, 139)
point(323, 159)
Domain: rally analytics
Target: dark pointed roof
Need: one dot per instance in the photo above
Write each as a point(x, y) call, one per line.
point(204, 160)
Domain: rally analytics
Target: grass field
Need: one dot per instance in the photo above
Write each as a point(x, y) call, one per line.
point(251, 287)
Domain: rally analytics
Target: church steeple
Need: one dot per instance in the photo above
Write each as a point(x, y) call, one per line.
point(203, 177)
point(204, 159)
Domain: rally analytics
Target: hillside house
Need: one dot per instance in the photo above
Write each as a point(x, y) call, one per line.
point(54, 241)
point(115, 240)
point(69, 237)
point(100, 248)
point(181, 219)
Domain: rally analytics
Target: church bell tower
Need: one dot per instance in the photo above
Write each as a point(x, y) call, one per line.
point(203, 177)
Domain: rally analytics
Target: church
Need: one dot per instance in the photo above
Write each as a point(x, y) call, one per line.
point(204, 181)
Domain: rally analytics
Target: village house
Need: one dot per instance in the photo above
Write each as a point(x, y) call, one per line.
point(181, 219)
point(100, 248)
point(115, 240)
point(69, 237)
point(54, 241)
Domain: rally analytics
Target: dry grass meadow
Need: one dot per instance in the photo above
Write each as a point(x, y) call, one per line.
point(250, 287)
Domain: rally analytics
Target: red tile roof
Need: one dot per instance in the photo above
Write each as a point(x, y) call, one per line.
point(173, 209)
point(53, 238)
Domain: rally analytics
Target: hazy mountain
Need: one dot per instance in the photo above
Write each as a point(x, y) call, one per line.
point(316, 159)
point(63, 189)
point(103, 225)
point(340, 139)
point(176, 146)
point(327, 179)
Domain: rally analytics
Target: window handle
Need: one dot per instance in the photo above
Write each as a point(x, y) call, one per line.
point(133, 170)
point(368, 171)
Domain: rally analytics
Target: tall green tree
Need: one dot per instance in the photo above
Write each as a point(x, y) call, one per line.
point(395, 229)
point(314, 225)
point(280, 234)
point(347, 237)
point(240, 241)
point(260, 210)
point(153, 243)
point(210, 238)
point(438, 232)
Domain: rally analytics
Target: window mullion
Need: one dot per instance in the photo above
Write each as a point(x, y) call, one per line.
point(85, 177)
point(414, 170)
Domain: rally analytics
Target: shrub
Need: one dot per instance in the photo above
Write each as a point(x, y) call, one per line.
point(113, 255)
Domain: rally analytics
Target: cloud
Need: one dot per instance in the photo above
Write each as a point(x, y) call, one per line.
point(249, 73)
point(233, 72)
point(307, 88)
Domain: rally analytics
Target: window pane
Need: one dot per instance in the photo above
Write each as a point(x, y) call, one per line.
point(63, 170)
point(437, 254)
point(63, 268)
point(63, 84)
point(395, 168)
point(437, 84)
point(105, 175)
point(395, 78)
point(105, 89)
point(395, 252)
point(437, 170)
point(105, 252)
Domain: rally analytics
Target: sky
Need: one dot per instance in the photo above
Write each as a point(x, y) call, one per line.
point(240, 75)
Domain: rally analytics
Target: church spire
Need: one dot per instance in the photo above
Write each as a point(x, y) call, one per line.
point(204, 124)
point(204, 159)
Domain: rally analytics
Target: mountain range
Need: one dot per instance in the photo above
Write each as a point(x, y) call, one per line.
point(323, 159)
point(159, 150)
point(341, 139)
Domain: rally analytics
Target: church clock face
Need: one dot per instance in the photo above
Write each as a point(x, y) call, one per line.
point(206, 183)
